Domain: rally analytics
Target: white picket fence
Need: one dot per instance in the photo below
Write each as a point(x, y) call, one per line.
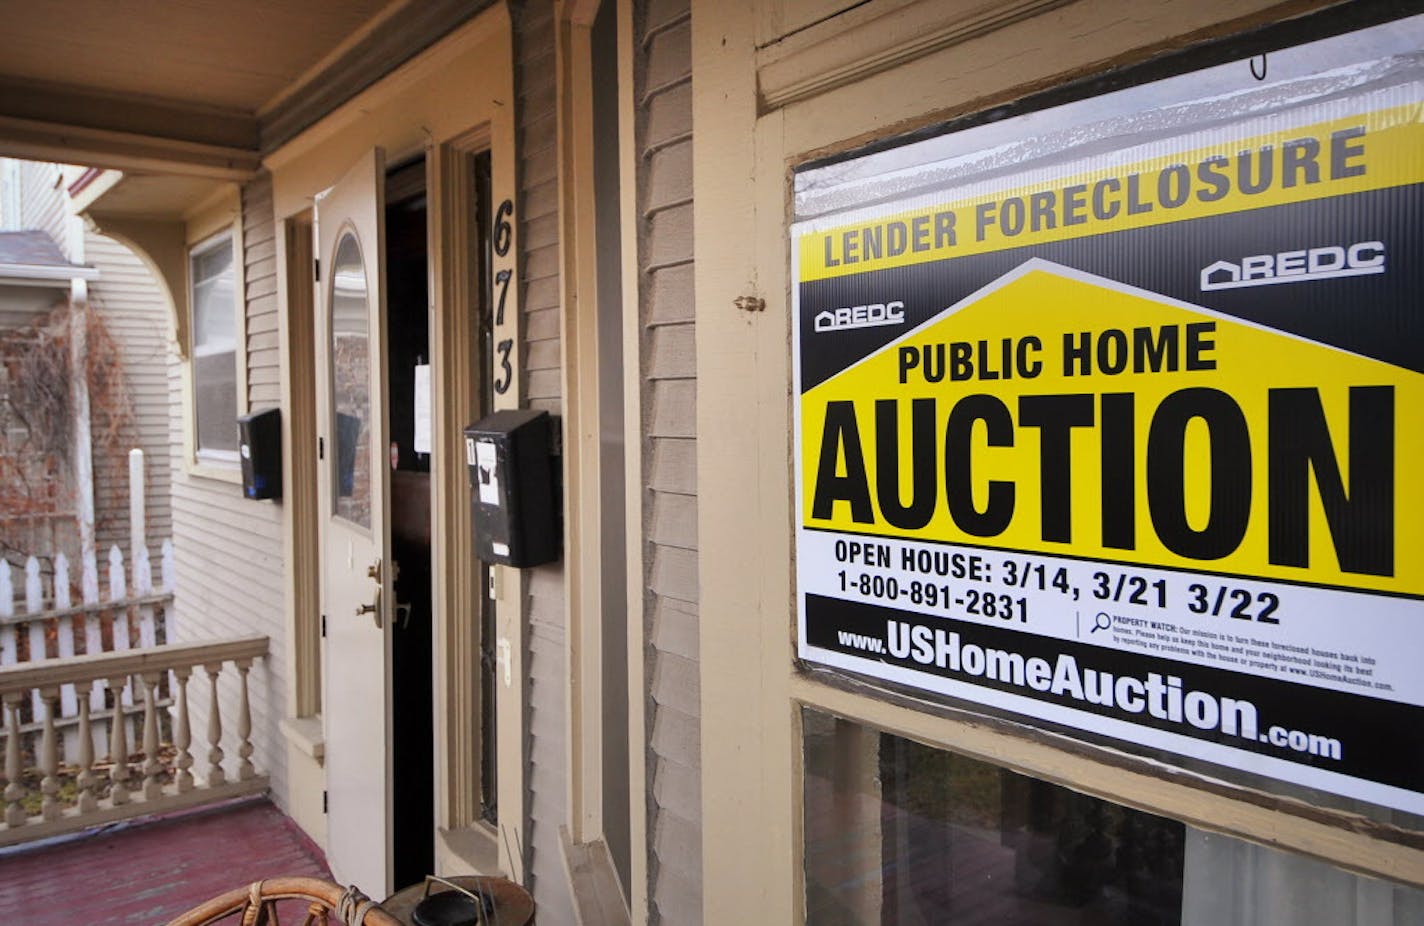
point(50, 625)
point(47, 623)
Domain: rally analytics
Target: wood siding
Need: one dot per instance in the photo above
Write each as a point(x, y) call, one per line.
point(547, 694)
point(230, 550)
point(259, 269)
point(136, 314)
point(663, 93)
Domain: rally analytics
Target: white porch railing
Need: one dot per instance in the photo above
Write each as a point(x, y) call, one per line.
point(72, 797)
point(54, 627)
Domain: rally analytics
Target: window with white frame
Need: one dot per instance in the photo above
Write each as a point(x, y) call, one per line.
point(214, 351)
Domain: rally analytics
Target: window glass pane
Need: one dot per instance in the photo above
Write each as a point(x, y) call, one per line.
point(351, 383)
point(898, 832)
point(214, 362)
point(215, 401)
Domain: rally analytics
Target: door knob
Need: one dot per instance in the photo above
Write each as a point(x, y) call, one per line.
point(373, 609)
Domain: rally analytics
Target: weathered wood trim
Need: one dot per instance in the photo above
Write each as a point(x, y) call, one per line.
point(578, 338)
point(743, 506)
point(876, 37)
point(296, 337)
point(455, 302)
point(634, 494)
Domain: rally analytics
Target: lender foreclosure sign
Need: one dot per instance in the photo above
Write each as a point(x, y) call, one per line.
point(1126, 435)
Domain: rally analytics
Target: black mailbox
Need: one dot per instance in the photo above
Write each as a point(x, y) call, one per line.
point(510, 457)
point(259, 438)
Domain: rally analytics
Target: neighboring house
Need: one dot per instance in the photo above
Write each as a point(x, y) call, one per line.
point(126, 351)
point(40, 511)
point(607, 211)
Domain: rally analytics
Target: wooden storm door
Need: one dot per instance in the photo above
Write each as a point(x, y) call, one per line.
point(356, 563)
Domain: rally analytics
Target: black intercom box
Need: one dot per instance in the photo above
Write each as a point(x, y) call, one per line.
point(260, 448)
point(512, 492)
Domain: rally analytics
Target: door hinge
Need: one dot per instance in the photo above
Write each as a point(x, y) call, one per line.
point(323, 802)
point(316, 269)
point(321, 448)
point(323, 625)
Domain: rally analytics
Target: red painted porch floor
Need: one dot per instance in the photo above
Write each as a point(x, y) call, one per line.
point(144, 874)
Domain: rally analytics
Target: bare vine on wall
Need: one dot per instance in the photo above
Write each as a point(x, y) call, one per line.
point(37, 489)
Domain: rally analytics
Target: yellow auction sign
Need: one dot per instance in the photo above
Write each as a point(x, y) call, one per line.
point(1057, 412)
point(1128, 440)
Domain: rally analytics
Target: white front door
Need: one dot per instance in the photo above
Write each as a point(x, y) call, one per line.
point(356, 563)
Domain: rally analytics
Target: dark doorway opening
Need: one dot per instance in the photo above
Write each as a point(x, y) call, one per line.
point(407, 358)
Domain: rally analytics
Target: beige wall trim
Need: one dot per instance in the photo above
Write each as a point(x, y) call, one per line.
point(1347, 843)
point(454, 302)
point(743, 498)
point(875, 37)
point(637, 642)
point(511, 585)
point(578, 339)
point(39, 140)
point(296, 332)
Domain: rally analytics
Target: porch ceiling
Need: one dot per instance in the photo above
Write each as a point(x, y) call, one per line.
point(194, 87)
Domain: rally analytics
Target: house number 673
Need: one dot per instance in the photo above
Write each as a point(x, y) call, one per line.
point(503, 237)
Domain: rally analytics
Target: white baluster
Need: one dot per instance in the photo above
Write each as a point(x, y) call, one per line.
point(152, 787)
point(49, 755)
point(216, 775)
point(63, 602)
point(14, 785)
point(118, 746)
point(88, 801)
point(244, 723)
point(182, 733)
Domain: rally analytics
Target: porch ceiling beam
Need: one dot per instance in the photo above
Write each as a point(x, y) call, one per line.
point(48, 140)
point(129, 113)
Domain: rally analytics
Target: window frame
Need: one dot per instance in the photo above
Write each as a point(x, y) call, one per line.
point(784, 103)
point(207, 463)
